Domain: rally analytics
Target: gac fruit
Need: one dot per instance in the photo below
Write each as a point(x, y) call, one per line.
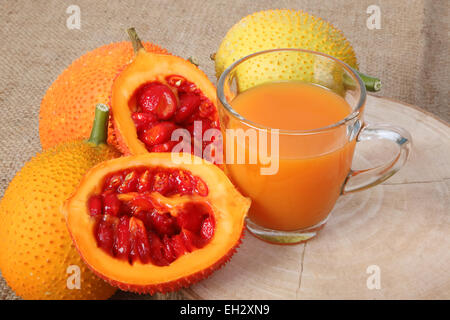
point(146, 224)
point(66, 112)
point(157, 94)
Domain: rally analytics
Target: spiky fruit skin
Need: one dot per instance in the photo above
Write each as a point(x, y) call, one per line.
point(179, 284)
point(274, 29)
point(35, 247)
point(66, 110)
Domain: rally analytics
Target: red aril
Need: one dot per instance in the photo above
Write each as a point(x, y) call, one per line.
point(158, 134)
point(105, 232)
point(164, 147)
point(140, 246)
point(207, 229)
point(144, 182)
point(168, 251)
point(122, 239)
point(111, 204)
point(95, 205)
point(164, 224)
point(129, 184)
point(156, 250)
point(143, 120)
point(189, 103)
point(161, 182)
point(158, 99)
point(192, 215)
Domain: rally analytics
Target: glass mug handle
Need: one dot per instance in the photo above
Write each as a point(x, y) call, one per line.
point(362, 179)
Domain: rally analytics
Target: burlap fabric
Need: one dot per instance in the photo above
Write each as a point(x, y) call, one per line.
point(409, 53)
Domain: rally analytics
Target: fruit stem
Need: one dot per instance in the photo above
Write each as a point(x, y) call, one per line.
point(372, 84)
point(99, 132)
point(137, 43)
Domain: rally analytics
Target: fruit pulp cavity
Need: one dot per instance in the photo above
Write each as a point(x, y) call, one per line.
point(151, 215)
point(160, 107)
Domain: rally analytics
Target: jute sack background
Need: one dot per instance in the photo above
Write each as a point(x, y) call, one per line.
point(409, 53)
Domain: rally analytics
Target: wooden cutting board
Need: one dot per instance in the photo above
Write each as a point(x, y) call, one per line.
point(399, 230)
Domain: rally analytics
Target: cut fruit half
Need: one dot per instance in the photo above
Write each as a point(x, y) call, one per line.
point(157, 94)
point(146, 224)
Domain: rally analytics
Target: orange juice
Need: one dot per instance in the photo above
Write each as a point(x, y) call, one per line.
point(312, 167)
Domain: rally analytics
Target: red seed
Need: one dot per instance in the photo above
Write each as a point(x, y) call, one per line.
point(143, 120)
point(95, 205)
point(144, 216)
point(189, 103)
point(158, 134)
point(164, 224)
point(161, 183)
point(207, 229)
point(158, 99)
point(164, 147)
point(191, 240)
point(129, 184)
point(191, 216)
point(156, 250)
point(113, 182)
point(111, 204)
point(105, 233)
point(144, 183)
point(178, 245)
point(168, 251)
point(183, 182)
point(141, 245)
point(147, 98)
point(206, 109)
point(122, 239)
point(200, 187)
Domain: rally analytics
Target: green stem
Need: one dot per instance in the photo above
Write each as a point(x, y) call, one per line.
point(137, 43)
point(372, 84)
point(99, 132)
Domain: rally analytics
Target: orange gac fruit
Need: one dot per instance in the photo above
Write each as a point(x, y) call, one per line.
point(168, 233)
point(37, 257)
point(66, 112)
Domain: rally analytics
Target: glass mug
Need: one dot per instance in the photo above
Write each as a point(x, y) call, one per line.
point(314, 166)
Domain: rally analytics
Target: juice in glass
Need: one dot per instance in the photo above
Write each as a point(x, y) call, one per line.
point(312, 168)
point(308, 108)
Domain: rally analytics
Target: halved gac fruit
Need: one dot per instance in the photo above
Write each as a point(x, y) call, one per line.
point(146, 224)
point(157, 94)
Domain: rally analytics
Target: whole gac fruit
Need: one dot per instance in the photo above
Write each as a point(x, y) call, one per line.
point(66, 110)
point(273, 29)
point(36, 252)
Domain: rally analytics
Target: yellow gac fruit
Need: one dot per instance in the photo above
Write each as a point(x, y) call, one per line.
point(274, 29)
